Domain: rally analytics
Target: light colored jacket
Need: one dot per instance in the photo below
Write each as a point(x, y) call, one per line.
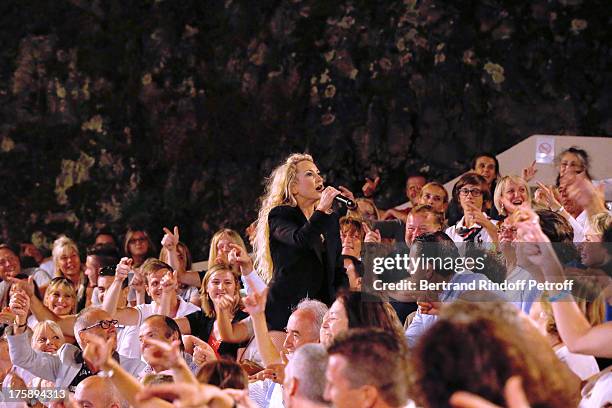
point(61, 368)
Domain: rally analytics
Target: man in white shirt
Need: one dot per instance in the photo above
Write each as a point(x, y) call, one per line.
point(161, 284)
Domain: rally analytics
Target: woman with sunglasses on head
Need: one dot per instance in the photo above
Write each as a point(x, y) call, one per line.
point(472, 192)
point(298, 238)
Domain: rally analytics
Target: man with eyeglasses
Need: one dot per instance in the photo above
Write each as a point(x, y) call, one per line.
point(68, 368)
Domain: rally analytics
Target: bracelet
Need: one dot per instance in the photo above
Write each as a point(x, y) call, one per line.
point(559, 295)
point(559, 210)
point(19, 326)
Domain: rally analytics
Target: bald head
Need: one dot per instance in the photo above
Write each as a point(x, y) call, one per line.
point(97, 392)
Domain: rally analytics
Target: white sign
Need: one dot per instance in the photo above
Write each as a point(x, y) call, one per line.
point(545, 150)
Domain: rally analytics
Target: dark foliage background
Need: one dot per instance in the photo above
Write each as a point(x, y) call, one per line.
point(172, 112)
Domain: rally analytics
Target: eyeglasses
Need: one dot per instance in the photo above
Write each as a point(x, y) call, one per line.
point(137, 241)
point(103, 324)
point(475, 192)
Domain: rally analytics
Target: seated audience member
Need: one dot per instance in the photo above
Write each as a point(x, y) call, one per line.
point(434, 246)
point(97, 392)
point(541, 314)
point(163, 329)
point(367, 368)
point(47, 337)
point(105, 237)
point(60, 299)
point(68, 265)
point(511, 193)
point(68, 368)
point(10, 267)
point(354, 271)
point(161, 285)
point(366, 210)
point(434, 194)
point(98, 257)
point(414, 184)
point(138, 246)
point(486, 165)
point(221, 245)
point(422, 219)
point(304, 381)
point(351, 236)
point(220, 293)
point(223, 374)
point(472, 193)
point(177, 255)
point(476, 347)
point(354, 310)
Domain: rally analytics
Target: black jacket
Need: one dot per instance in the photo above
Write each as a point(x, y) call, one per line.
point(307, 260)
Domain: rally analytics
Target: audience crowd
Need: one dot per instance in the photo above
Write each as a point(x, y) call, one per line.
point(293, 320)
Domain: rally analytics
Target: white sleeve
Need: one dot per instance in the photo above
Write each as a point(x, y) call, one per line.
point(253, 282)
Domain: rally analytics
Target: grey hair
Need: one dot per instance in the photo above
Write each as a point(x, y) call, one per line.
point(318, 309)
point(308, 365)
point(83, 319)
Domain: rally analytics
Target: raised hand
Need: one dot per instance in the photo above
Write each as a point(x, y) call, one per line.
point(97, 353)
point(224, 302)
point(430, 308)
point(20, 304)
point(124, 267)
point(170, 239)
point(26, 285)
point(530, 171)
point(203, 353)
point(7, 316)
point(327, 199)
point(255, 303)
point(369, 187)
point(169, 282)
point(547, 195)
point(159, 352)
point(371, 235)
point(238, 256)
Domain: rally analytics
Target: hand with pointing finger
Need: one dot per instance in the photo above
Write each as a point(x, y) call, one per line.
point(371, 235)
point(170, 239)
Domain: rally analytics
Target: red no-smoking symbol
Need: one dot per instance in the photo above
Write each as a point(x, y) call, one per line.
point(544, 148)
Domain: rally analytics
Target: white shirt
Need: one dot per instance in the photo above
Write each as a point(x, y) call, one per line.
point(582, 365)
point(482, 236)
point(130, 343)
point(598, 391)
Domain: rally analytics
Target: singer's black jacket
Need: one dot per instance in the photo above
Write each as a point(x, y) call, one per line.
point(306, 255)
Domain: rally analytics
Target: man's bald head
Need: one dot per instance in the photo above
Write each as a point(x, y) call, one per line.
point(97, 392)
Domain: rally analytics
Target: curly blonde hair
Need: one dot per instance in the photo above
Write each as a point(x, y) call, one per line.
point(277, 192)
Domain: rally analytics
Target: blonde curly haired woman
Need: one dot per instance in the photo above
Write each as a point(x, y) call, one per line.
point(297, 245)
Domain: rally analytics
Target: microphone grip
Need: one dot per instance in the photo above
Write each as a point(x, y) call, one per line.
point(350, 204)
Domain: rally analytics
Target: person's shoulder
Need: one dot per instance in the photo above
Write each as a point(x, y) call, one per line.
point(68, 352)
point(283, 210)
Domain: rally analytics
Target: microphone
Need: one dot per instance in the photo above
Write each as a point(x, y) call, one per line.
point(350, 204)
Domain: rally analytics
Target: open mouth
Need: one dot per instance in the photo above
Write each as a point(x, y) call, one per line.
point(320, 187)
point(517, 202)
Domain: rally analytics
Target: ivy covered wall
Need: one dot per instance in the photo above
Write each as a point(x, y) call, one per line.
point(166, 112)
